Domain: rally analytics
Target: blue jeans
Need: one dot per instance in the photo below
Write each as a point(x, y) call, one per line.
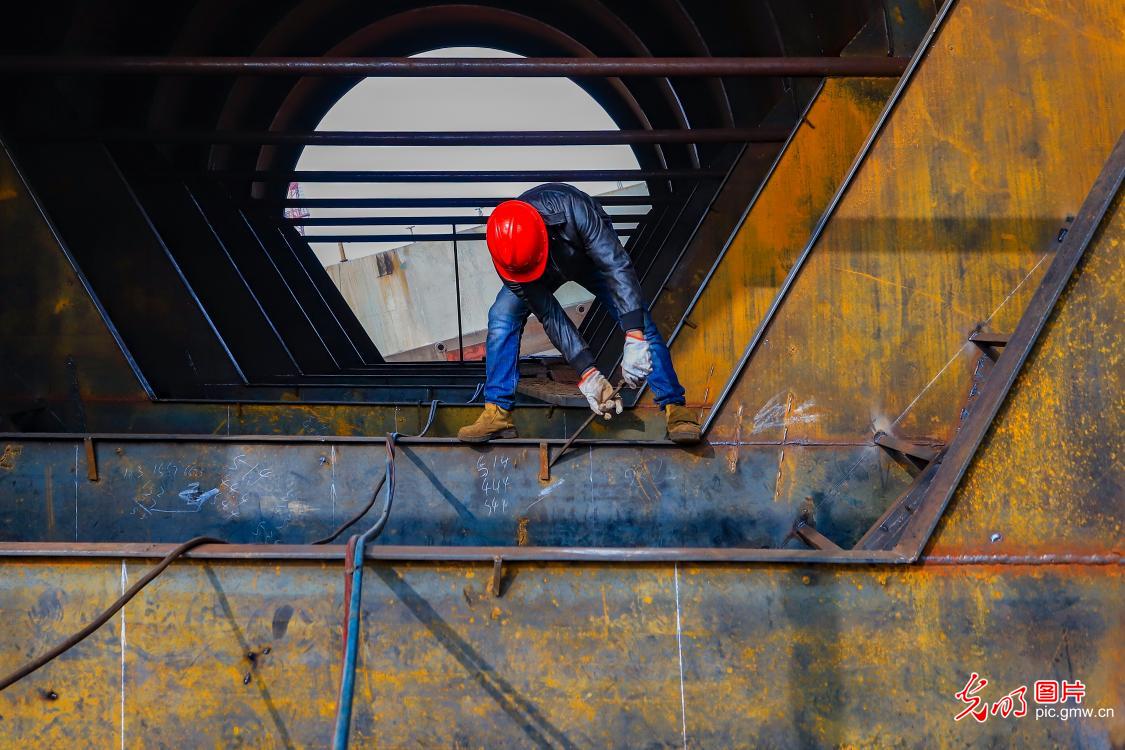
point(506, 320)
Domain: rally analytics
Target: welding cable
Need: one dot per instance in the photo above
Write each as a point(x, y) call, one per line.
point(353, 593)
point(375, 494)
point(105, 616)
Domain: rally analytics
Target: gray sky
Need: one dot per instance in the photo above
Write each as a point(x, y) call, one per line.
point(418, 104)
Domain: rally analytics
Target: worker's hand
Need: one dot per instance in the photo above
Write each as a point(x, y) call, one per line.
point(599, 393)
point(636, 363)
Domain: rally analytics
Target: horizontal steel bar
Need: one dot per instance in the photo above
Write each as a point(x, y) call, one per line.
point(518, 175)
point(891, 67)
point(447, 554)
point(177, 437)
point(770, 134)
point(605, 200)
point(408, 237)
point(405, 221)
point(298, 552)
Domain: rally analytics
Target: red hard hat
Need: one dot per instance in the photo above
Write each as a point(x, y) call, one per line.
point(517, 240)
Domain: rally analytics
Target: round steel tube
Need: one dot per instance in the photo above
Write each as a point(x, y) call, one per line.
point(618, 200)
point(815, 67)
point(393, 221)
point(773, 134)
point(334, 238)
point(532, 175)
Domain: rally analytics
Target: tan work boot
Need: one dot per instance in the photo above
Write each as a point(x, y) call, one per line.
point(683, 427)
point(492, 423)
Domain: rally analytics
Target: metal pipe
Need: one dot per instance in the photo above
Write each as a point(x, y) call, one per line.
point(516, 175)
point(381, 221)
point(419, 553)
point(789, 67)
point(450, 442)
point(612, 200)
point(457, 286)
point(770, 134)
point(624, 555)
point(407, 237)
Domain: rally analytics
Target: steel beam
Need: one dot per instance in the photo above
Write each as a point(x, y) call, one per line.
point(612, 200)
point(518, 175)
point(766, 134)
point(408, 237)
point(789, 67)
point(450, 554)
point(395, 221)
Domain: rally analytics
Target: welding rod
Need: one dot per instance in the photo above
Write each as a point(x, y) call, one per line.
point(583, 426)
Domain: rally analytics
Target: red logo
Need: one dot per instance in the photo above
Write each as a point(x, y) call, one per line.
point(1046, 692)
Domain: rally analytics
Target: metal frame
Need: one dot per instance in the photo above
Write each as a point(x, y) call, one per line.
point(930, 494)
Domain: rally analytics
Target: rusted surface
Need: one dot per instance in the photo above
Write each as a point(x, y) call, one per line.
point(772, 234)
point(570, 656)
point(1051, 467)
point(1086, 229)
point(947, 223)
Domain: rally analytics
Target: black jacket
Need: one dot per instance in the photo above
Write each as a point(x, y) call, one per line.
point(583, 248)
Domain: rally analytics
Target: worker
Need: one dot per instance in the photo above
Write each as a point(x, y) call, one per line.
point(552, 234)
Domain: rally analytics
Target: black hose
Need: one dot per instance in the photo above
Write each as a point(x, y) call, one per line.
point(362, 512)
point(104, 617)
point(375, 494)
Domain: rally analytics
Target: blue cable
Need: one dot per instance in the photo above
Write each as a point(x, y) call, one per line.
point(351, 645)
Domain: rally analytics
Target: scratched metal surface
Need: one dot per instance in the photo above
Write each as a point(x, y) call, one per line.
point(773, 233)
point(729, 496)
point(570, 656)
point(1066, 405)
point(947, 223)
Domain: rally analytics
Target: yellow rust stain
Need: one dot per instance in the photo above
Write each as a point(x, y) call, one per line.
point(8, 457)
point(1044, 478)
point(774, 232)
point(944, 227)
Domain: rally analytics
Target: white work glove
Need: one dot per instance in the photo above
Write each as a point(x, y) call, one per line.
point(598, 392)
point(636, 362)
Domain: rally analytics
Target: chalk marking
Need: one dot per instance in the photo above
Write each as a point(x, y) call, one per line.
point(774, 413)
point(76, 493)
point(124, 582)
point(333, 493)
point(680, 650)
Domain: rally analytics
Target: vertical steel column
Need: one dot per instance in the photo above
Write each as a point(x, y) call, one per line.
point(457, 284)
